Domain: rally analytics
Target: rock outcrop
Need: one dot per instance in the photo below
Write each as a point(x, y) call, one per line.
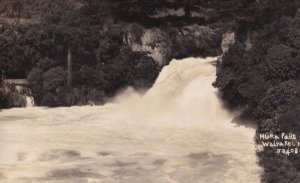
point(154, 42)
point(227, 41)
point(164, 44)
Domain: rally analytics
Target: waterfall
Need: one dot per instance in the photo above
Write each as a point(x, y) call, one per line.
point(21, 95)
point(178, 131)
point(69, 67)
point(29, 101)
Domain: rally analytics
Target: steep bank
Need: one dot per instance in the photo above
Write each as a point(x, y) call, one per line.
point(261, 73)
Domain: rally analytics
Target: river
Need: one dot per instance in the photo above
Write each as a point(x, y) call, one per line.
point(178, 132)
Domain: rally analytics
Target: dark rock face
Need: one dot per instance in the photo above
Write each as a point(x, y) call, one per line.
point(163, 45)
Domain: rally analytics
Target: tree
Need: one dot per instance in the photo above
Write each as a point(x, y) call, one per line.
point(54, 78)
point(281, 64)
point(46, 63)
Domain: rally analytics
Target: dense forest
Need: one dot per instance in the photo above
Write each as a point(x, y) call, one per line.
point(263, 79)
point(76, 51)
point(73, 52)
point(38, 49)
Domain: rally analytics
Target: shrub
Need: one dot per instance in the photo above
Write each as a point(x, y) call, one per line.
point(280, 63)
point(46, 63)
point(48, 100)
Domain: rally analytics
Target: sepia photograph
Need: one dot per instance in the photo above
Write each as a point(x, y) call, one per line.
point(149, 91)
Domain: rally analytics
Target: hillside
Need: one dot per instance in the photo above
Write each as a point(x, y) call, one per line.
point(110, 44)
point(261, 74)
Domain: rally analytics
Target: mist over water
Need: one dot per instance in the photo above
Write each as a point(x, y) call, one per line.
point(178, 132)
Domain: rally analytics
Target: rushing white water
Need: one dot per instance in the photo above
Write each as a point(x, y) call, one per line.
point(177, 133)
point(29, 101)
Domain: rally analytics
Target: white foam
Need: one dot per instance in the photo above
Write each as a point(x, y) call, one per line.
point(178, 132)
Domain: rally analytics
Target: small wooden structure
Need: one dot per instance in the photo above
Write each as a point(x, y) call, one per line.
point(16, 85)
point(16, 82)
